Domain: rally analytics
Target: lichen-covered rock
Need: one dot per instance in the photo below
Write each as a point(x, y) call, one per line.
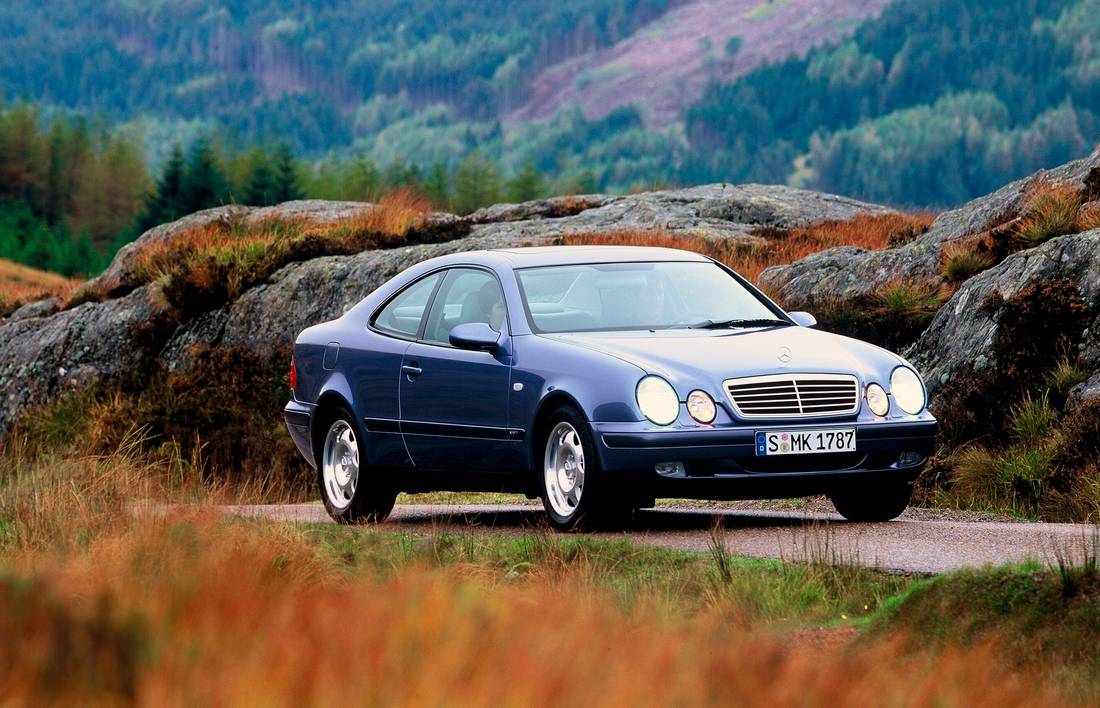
point(270, 316)
point(41, 357)
point(38, 308)
point(844, 274)
point(1008, 325)
point(712, 211)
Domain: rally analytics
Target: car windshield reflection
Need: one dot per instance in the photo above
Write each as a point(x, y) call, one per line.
point(638, 296)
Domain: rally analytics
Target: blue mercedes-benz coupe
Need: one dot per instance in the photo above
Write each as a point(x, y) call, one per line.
point(598, 378)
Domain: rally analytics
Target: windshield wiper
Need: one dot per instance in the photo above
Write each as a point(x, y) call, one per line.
point(732, 324)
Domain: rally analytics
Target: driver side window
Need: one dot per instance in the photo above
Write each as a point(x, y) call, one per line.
point(467, 295)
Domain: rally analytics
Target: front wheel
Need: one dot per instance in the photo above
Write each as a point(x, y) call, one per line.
point(879, 501)
point(573, 490)
point(352, 491)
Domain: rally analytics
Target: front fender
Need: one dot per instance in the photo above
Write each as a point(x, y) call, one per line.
point(601, 386)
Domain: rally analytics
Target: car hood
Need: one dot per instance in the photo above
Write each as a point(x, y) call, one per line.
point(692, 357)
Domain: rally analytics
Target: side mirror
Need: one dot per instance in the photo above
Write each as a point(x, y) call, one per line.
point(803, 319)
point(477, 336)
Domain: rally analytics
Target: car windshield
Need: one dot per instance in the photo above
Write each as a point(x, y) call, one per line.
point(629, 296)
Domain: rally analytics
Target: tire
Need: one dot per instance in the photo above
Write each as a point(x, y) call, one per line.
point(574, 493)
point(352, 492)
point(881, 501)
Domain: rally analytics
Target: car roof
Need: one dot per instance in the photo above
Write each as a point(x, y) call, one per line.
point(571, 255)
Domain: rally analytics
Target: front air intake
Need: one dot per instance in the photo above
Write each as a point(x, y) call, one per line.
point(794, 395)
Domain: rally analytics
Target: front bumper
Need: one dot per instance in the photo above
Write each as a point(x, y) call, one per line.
point(721, 463)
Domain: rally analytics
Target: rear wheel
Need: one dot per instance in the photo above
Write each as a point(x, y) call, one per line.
point(352, 491)
point(573, 490)
point(880, 501)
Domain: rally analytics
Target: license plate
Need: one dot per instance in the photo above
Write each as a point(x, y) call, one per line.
point(804, 442)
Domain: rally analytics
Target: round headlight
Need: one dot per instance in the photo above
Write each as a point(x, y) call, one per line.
point(907, 389)
point(701, 406)
point(877, 400)
point(657, 400)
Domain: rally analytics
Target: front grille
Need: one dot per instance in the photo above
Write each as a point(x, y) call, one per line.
point(794, 395)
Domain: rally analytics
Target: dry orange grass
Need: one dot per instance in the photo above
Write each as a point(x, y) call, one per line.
point(20, 283)
point(196, 611)
point(1089, 217)
point(394, 215)
point(100, 605)
point(870, 231)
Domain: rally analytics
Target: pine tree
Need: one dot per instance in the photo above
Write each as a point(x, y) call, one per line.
point(437, 186)
point(476, 184)
point(204, 182)
point(166, 202)
point(286, 186)
point(527, 184)
point(261, 184)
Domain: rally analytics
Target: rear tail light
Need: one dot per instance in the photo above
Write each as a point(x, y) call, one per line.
point(293, 378)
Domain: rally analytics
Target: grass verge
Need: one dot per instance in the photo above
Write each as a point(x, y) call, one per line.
point(102, 605)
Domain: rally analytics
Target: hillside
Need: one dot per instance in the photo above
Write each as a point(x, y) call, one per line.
point(932, 103)
point(907, 103)
point(665, 65)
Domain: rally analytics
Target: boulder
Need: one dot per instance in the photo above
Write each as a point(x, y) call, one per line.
point(843, 274)
point(712, 211)
point(977, 345)
point(118, 276)
point(44, 356)
point(38, 308)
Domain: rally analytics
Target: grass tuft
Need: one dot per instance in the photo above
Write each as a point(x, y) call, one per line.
point(963, 260)
point(1033, 420)
point(891, 317)
point(1050, 211)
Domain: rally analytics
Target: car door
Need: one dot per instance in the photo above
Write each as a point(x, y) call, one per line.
point(373, 368)
point(454, 402)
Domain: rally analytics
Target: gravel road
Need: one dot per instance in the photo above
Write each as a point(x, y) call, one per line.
point(911, 544)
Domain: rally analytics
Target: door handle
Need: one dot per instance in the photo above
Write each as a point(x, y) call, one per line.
point(411, 370)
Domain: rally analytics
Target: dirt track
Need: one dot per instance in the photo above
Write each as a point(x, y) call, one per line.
point(908, 545)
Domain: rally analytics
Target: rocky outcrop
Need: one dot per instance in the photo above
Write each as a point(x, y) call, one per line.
point(270, 316)
point(848, 273)
point(44, 352)
point(1014, 320)
point(121, 268)
point(713, 211)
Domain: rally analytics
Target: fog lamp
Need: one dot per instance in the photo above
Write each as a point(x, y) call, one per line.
point(670, 469)
point(877, 400)
point(909, 459)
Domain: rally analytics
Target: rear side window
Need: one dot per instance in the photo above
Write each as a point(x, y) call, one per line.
point(403, 314)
